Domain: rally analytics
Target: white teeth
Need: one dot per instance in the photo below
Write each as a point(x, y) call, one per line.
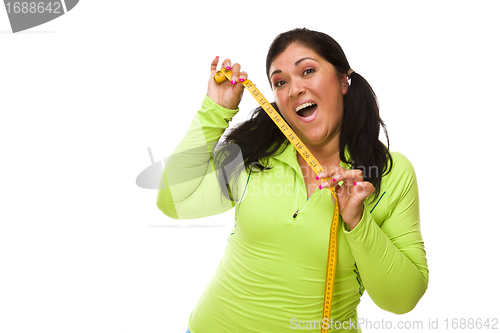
point(301, 106)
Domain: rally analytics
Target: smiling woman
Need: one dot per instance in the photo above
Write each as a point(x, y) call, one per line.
point(273, 270)
point(317, 77)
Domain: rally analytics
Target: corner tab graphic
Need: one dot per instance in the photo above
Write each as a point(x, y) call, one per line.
point(27, 14)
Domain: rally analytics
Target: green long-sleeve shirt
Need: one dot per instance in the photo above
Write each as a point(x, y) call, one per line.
point(272, 275)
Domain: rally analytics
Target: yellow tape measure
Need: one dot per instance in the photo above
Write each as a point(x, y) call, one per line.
point(331, 266)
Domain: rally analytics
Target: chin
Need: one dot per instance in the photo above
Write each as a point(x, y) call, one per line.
point(315, 137)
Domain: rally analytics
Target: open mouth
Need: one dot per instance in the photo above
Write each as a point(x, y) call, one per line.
point(307, 111)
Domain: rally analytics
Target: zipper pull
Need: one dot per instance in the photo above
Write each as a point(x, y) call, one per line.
point(295, 215)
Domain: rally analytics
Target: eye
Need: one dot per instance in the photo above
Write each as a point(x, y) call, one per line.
point(309, 71)
point(278, 84)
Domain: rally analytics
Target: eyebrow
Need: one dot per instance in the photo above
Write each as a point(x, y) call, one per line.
point(296, 64)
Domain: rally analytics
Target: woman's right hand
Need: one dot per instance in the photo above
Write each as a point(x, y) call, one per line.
point(227, 94)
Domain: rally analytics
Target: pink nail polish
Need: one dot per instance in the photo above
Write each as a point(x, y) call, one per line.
point(241, 80)
point(233, 82)
point(320, 187)
point(228, 68)
point(354, 183)
point(217, 57)
point(333, 179)
point(317, 178)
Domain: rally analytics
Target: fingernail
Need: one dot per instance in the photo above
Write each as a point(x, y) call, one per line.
point(228, 68)
point(333, 179)
point(320, 187)
point(321, 175)
point(217, 57)
point(241, 80)
point(233, 82)
point(354, 183)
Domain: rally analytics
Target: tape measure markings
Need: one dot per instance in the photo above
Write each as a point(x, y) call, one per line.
point(225, 74)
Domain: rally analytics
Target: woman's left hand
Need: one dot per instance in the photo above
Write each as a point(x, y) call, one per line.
point(351, 194)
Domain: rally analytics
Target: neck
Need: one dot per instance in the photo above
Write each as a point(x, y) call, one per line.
point(327, 155)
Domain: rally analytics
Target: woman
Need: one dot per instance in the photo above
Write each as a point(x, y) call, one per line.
point(272, 275)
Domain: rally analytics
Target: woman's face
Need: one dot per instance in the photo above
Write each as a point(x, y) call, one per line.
point(309, 94)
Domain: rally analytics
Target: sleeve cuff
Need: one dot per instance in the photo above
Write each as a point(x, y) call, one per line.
point(209, 104)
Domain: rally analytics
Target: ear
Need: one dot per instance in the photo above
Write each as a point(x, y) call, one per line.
point(344, 84)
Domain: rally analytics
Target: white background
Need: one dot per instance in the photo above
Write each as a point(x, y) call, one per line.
point(84, 249)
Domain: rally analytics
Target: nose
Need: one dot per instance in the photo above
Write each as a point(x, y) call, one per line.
point(296, 88)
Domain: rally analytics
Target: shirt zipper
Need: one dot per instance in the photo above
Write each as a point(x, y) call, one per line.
point(297, 196)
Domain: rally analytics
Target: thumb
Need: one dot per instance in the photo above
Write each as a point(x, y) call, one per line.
point(213, 66)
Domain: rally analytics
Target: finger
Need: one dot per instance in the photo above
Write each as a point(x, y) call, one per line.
point(329, 182)
point(360, 189)
point(363, 190)
point(331, 176)
point(348, 179)
point(243, 76)
point(339, 174)
point(352, 177)
point(213, 66)
point(235, 70)
point(330, 172)
point(226, 64)
point(239, 87)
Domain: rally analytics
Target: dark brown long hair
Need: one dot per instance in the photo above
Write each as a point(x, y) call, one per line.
point(259, 138)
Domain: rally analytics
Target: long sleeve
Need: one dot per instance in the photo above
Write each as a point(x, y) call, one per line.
point(391, 258)
point(189, 187)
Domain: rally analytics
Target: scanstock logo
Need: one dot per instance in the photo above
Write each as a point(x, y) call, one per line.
point(28, 14)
